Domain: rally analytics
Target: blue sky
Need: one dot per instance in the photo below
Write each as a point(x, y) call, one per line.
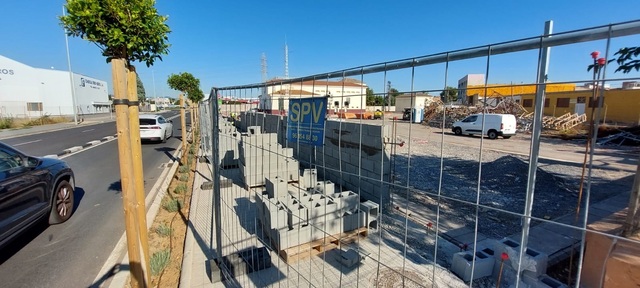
point(221, 42)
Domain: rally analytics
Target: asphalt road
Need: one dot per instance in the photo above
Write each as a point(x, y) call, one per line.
point(71, 254)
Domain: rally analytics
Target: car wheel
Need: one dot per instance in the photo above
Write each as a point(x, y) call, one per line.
point(457, 131)
point(164, 137)
point(62, 203)
point(492, 134)
point(506, 137)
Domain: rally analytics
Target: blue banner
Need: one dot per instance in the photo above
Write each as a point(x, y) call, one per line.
point(305, 121)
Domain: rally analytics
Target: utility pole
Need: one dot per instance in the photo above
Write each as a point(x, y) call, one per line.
point(138, 175)
point(126, 172)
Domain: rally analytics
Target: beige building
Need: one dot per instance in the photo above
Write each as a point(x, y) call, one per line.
point(344, 95)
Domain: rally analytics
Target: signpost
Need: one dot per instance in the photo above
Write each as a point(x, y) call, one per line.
point(305, 123)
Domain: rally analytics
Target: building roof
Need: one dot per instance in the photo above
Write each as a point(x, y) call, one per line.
point(344, 82)
point(293, 92)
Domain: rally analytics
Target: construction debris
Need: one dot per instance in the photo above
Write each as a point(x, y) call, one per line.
point(625, 136)
point(436, 111)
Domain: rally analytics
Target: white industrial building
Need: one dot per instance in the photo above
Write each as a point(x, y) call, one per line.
point(26, 91)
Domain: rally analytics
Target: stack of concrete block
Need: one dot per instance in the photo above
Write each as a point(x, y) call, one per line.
point(261, 157)
point(228, 144)
point(294, 216)
point(463, 264)
point(372, 212)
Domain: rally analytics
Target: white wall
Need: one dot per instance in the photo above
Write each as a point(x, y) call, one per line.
point(47, 89)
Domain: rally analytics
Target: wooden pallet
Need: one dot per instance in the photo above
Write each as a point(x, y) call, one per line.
point(293, 254)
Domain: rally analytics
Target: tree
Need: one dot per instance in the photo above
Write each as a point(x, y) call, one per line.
point(449, 94)
point(391, 96)
point(125, 31)
point(185, 83)
point(130, 30)
point(371, 98)
point(627, 59)
point(142, 95)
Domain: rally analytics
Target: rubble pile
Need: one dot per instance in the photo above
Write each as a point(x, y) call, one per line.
point(620, 136)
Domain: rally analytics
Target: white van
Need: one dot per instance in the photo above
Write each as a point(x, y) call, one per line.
point(494, 125)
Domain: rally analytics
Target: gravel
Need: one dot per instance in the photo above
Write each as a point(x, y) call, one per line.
point(502, 187)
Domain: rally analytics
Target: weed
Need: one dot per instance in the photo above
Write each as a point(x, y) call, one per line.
point(183, 177)
point(164, 230)
point(159, 261)
point(181, 188)
point(6, 122)
point(172, 205)
point(183, 169)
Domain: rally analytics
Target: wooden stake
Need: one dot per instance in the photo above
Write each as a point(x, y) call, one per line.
point(126, 171)
point(184, 125)
point(138, 175)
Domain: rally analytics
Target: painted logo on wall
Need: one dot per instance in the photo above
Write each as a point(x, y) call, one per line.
point(6, 71)
point(90, 83)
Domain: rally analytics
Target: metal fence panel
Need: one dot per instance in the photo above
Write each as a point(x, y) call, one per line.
point(400, 200)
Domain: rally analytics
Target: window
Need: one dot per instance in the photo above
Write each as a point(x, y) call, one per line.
point(470, 119)
point(581, 100)
point(34, 106)
point(562, 102)
point(527, 103)
point(594, 103)
point(546, 102)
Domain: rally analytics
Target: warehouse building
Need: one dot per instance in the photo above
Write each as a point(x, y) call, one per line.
point(26, 91)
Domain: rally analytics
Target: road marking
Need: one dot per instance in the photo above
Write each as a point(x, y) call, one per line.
point(88, 130)
point(29, 142)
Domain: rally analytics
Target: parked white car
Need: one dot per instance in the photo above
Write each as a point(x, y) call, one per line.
point(494, 125)
point(154, 127)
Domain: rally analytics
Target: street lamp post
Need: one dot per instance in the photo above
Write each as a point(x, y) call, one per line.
point(73, 86)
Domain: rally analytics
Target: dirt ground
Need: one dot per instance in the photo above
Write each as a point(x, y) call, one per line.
point(177, 221)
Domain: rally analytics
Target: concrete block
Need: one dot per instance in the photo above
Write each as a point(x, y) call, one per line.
point(277, 187)
point(533, 261)
point(544, 281)
point(298, 215)
point(372, 211)
point(462, 264)
point(309, 178)
point(353, 220)
point(346, 200)
point(277, 216)
point(326, 187)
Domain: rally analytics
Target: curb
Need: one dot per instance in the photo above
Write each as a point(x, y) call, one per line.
point(84, 146)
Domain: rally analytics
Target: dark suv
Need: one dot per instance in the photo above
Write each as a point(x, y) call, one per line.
point(32, 188)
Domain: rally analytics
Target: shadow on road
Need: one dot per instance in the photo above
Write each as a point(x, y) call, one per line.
point(167, 151)
point(112, 272)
